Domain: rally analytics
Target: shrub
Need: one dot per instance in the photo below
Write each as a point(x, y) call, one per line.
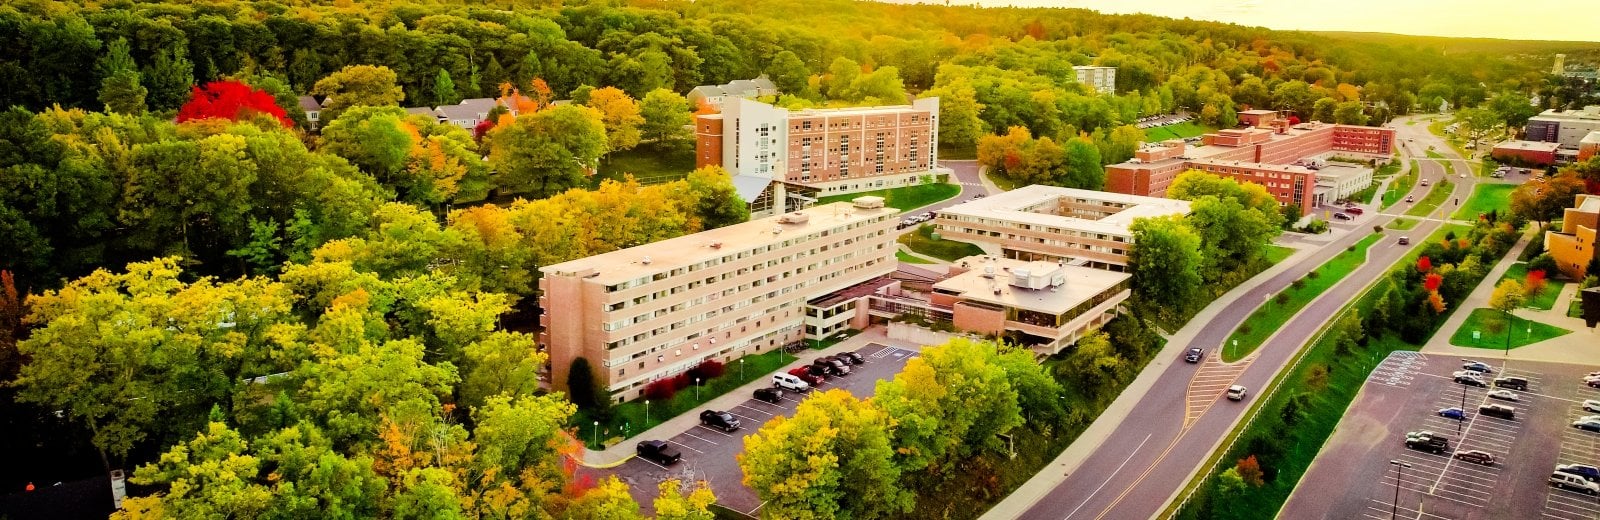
point(1543, 262)
point(1298, 283)
point(661, 389)
point(707, 370)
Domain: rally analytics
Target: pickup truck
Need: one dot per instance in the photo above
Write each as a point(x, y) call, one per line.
point(1427, 441)
point(659, 452)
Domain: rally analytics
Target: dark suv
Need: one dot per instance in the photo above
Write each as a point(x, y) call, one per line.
point(1514, 383)
point(720, 420)
point(1194, 355)
point(1498, 410)
point(855, 359)
point(834, 367)
point(660, 452)
point(1427, 441)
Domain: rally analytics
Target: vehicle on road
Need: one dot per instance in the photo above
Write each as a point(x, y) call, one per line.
point(1405, 241)
point(1469, 379)
point(1588, 423)
point(1476, 457)
point(1512, 382)
point(854, 357)
point(1589, 473)
point(1354, 210)
point(658, 452)
point(1237, 393)
point(720, 420)
point(1574, 482)
point(1498, 410)
point(1427, 441)
point(790, 382)
point(771, 395)
point(1591, 406)
point(1504, 395)
point(1424, 182)
point(1477, 366)
point(1453, 413)
point(1411, 198)
point(1194, 355)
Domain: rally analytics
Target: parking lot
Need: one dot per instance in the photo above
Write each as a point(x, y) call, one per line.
point(708, 453)
point(1406, 393)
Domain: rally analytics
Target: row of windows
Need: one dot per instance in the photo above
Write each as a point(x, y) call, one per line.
point(641, 281)
point(1029, 227)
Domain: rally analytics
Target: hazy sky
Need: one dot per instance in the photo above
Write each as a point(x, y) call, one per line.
point(1520, 19)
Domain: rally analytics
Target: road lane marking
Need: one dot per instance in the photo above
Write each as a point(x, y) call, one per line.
point(1108, 478)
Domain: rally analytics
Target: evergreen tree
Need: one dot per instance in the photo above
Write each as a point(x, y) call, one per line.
point(169, 78)
point(120, 88)
point(444, 90)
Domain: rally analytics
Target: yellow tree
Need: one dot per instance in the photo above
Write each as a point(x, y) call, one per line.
point(358, 85)
point(832, 459)
point(672, 504)
point(620, 114)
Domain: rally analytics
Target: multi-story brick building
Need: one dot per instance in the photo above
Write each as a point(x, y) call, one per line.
point(1271, 153)
point(653, 311)
point(1102, 79)
point(1573, 246)
point(1538, 153)
point(826, 151)
point(1048, 223)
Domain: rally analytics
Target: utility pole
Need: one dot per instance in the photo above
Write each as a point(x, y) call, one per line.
point(1394, 508)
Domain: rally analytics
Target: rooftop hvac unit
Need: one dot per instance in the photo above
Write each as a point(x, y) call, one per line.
point(777, 230)
point(988, 271)
point(794, 218)
point(716, 245)
point(645, 260)
point(868, 202)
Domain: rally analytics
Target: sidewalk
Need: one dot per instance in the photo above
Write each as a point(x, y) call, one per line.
point(1057, 471)
point(618, 453)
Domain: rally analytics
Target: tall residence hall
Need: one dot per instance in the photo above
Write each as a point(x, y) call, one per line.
point(656, 310)
point(1289, 160)
point(1573, 246)
point(1047, 223)
point(782, 159)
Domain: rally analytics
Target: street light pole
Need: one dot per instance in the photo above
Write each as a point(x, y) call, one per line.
point(1463, 418)
point(596, 436)
point(1394, 508)
point(697, 389)
point(741, 369)
point(646, 414)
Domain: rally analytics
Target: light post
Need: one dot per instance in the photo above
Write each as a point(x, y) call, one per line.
point(596, 436)
point(741, 369)
point(1394, 508)
point(1510, 318)
point(1235, 344)
point(697, 389)
point(1463, 418)
point(646, 414)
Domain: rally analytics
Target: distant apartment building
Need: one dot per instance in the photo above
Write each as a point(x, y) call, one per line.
point(818, 151)
point(716, 95)
point(1565, 127)
point(1281, 157)
point(1103, 79)
point(1526, 152)
point(1048, 223)
point(653, 311)
point(1573, 246)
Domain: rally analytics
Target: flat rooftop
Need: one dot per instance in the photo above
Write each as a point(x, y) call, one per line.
point(673, 253)
point(1592, 138)
point(1530, 146)
point(1082, 284)
point(851, 292)
point(1336, 171)
point(1011, 206)
point(1271, 167)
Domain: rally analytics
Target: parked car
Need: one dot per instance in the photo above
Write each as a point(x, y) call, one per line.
point(1237, 393)
point(771, 395)
point(1478, 366)
point(658, 452)
point(818, 370)
point(1504, 395)
point(1469, 379)
point(1343, 216)
point(1427, 441)
point(1591, 405)
point(1588, 423)
point(1498, 410)
point(1194, 355)
point(1476, 457)
point(1452, 413)
point(720, 420)
point(844, 359)
point(804, 373)
point(1589, 473)
point(1574, 482)
point(1354, 210)
point(834, 368)
point(790, 382)
point(1512, 382)
point(1593, 383)
point(854, 357)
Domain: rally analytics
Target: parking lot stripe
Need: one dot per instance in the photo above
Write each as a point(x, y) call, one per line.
point(702, 438)
point(1384, 507)
point(688, 447)
point(757, 410)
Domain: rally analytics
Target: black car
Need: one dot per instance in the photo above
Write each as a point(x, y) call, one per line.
point(1470, 381)
point(833, 368)
point(842, 359)
point(1427, 441)
point(720, 420)
point(854, 357)
point(659, 452)
point(771, 395)
point(1498, 410)
point(1194, 355)
point(817, 370)
point(1514, 383)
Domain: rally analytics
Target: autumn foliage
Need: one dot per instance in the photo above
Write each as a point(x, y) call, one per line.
point(1250, 471)
point(231, 100)
point(1424, 265)
point(1432, 281)
point(1535, 283)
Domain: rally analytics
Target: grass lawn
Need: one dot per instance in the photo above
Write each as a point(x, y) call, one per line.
point(1400, 186)
point(958, 153)
point(1403, 223)
point(628, 419)
point(1547, 298)
point(1391, 168)
point(905, 198)
point(1487, 166)
point(910, 259)
point(1436, 196)
point(1001, 181)
point(647, 165)
point(922, 241)
point(1491, 327)
point(1486, 197)
point(1177, 131)
point(1435, 155)
point(1271, 315)
point(1277, 253)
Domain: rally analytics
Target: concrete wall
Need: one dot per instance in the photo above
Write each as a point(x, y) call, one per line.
point(921, 336)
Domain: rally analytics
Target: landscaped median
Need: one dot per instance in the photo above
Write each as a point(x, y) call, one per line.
point(1274, 313)
point(1436, 196)
point(1488, 328)
point(1294, 415)
point(1401, 185)
point(1485, 198)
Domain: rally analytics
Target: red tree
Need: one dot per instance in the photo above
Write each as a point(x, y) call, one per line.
point(1535, 283)
point(231, 100)
point(1432, 281)
point(1424, 264)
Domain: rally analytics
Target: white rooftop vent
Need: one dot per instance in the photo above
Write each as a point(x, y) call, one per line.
point(777, 229)
point(645, 260)
point(868, 202)
point(716, 245)
point(794, 218)
point(988, 271)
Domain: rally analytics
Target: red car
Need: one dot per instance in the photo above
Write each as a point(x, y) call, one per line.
point(1354, 211)
point(805, 375)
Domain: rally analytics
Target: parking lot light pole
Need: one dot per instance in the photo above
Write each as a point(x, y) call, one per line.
point(596, 432)
point(646, 414)
point(1463, 418)
point(1394, 507)
point(697, 389)
point(741, 369)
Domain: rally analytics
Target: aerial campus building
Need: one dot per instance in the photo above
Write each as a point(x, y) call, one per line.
point(1048, 223)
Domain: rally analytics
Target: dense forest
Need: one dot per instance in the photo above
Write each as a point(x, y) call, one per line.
point(266, 318)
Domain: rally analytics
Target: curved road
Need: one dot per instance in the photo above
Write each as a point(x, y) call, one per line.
point(1151, 454)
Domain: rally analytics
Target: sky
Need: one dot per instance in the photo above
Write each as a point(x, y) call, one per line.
point(1519, 20)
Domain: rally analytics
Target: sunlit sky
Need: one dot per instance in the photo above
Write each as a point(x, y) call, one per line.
point(1519, 20)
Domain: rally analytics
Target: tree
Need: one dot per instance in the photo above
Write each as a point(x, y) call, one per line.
point(582, 387)
point(841, 79)
point(666, 119)
point(1512, 109)
point(169, 77)
point(1165, 260)
point(788, 73)
point(1083, 167)
point(714, 202)
point(959, 109)
point(209, 476)
point(444, 89)
point(1350, 113)
point(671, 504)
point(547, 152)
point(831, 459)
point(1533, 284)
point(231, 100)
point(120, 89)
point(1323, 110)
point(1250, 471)
point(503, 363)
point(607, 501)
point(357, 85)
point(375, 139)
point(620, 114)
point(1507, 296)
point(951, 402)
point(1545, 201)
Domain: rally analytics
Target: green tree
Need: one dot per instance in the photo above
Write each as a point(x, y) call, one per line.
point(959, 109)
point(1350, 113)
point(1507, 296)
point(504, 363)
point(714, 202)
point(547, 152)
point(520, 436)
point(207, 477)
point(1323, 109)
point(1094, 362)
point(358, 85)
point(582, 387)
point(1165, 260)
point(666, 119)
point(373, 138)
point(841, 79)
point(1083, 167)
point(671, 504)
point(620, 115)
point(831, 459)
point(607, 501)
point(950, 402)
point(788, 73)
point(169, 76)
point(120, 90)
point(444, 89)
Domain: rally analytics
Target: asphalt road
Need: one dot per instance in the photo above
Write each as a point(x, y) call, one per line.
point(1151, 455)
point(1404, 393)
point(709, 453)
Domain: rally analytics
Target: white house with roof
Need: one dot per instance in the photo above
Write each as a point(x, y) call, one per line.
point(714, 95)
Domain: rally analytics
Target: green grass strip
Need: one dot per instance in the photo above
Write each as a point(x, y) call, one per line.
point(904, 198)
point(1486, 198)
point(1436, 196)
point(1272, 315)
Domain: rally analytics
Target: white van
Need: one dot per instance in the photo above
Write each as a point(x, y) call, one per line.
point(789, 382)
point(1574, 482)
